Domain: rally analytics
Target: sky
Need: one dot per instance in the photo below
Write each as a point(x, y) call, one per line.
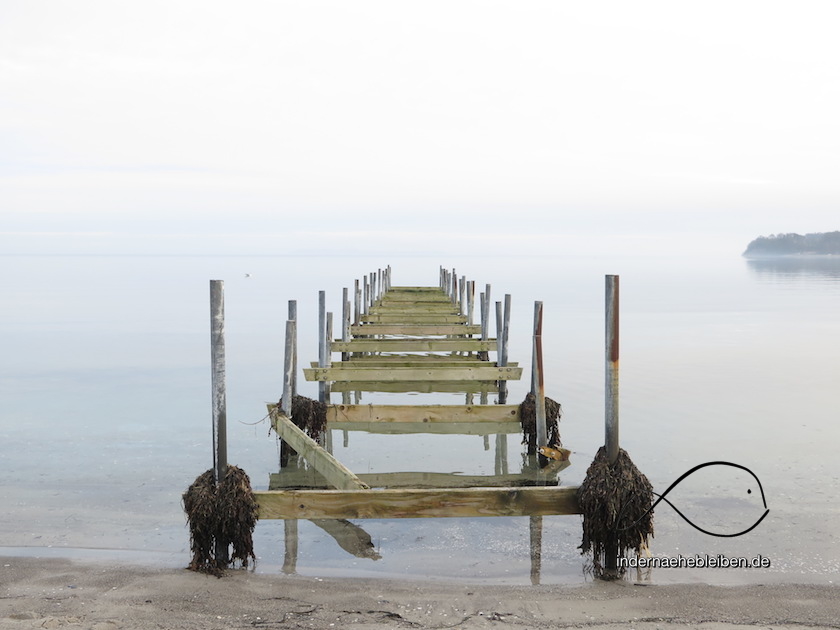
point(414, 127)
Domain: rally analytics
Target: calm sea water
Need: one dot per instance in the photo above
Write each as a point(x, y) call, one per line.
point(105, 407)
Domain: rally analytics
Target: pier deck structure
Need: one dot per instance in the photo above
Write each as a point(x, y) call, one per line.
point(410, 339)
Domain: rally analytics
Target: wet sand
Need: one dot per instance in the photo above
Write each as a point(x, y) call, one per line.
point(58, 593)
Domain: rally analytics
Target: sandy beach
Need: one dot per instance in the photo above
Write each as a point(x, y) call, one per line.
point(57, 593)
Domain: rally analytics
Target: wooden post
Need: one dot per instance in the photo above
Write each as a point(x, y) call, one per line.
point(485, 320)
point(290, 527)
point(322, 341)
point(288, 366)
point(536, 531)
point(454, 288)
point(219, 400)
point(293, 317)
point(366, 299)
point(357, 297)
point(328, 336)
point(290, 360)
point(611, 406)
point(462, 300)
point(538, 378)
point(611, 418)
point(345, 320)
point(470, 302)
point(503, 345)
point(372, 290)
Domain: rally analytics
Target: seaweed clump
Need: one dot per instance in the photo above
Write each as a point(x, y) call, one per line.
point(309, 415)
point(223, 516)
point(528, 419)
point(615, 501)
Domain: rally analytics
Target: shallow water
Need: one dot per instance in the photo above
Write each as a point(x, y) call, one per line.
point(105, 406)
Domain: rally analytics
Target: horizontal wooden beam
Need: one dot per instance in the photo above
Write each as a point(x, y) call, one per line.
point(413, 345)
point(333, 470)
point(417, 502)
point(415, 308)
point(414, 330)
point(428, 387)
point(423, 318)
point(423, 413)
point(309, 479)
point(391, 374)
point(413, 289)
point(448, 428)
point(398, 297)
point(418, 361)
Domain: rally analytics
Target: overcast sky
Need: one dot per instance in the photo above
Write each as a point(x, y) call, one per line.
point(179, 126)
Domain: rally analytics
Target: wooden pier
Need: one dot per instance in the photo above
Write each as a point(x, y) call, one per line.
point(411, 339)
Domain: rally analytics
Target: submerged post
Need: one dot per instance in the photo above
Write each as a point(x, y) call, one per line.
point(611, 407)
point(217, 356)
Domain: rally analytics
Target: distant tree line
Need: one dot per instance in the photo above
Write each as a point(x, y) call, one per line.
point(789, 244)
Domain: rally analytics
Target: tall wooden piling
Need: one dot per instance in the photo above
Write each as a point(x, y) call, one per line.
point(504, 337)
point(611, 403)
point(537, 382)
point(322, 341)
point(611, 381)
point(293, 317)
point(219, 398)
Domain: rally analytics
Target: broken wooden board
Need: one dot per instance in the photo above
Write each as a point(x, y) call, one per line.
point(417, 502)
point(333, 470)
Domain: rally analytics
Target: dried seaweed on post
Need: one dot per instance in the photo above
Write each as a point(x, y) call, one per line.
point(528, 420)
point(615, 501)
point(309, 415)
point(226, 515)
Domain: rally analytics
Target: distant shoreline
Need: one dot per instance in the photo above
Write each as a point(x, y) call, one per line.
point(816, 245)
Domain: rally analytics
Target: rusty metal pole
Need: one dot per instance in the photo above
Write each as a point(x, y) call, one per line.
point(217, 357)
point(611, 407)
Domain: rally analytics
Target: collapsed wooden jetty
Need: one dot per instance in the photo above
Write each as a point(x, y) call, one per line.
point(411, 339)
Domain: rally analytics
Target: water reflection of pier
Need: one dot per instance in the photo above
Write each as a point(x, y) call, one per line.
point(411, 339)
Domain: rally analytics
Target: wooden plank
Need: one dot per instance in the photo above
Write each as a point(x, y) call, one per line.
point(419, 361)
point(390, 374)
point(412, 289)
point(416, 298)
point(448, 428)
point(442, 387)
point(415, 307)
point(310, 479)
point(412, 345)
point(417, 502)
point(332, 469)
point(422, 318)
point(423, 413)
point(414, 329)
